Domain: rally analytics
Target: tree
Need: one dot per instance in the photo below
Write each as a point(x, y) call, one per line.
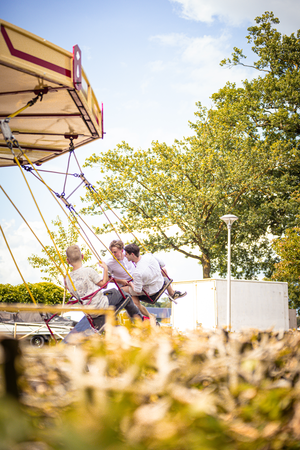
point(62, 238)
point(288, 268)
point(176, 195)
point(272, 100)
point(243, 158)
point(163, 302)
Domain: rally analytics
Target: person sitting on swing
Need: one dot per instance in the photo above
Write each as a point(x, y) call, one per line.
point(121, 276)
point(87, 281)
point(147, 276)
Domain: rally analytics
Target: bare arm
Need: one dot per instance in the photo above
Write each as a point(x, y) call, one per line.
point(122, 281)
point(138, 289)
point(105, 275)
point(164, 272)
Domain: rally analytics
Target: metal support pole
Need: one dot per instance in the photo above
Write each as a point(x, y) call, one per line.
point(229, 278)
point(229, 219)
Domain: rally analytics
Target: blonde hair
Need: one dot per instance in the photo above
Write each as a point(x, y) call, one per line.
point(116, 243)
point(73, 253)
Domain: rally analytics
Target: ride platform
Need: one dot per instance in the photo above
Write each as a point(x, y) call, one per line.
point(64, 107)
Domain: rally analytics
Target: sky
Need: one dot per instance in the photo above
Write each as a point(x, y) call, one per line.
point(149, 62)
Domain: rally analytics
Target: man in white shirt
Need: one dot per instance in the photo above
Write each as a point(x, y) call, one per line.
point(121, 269)
point(147, 276)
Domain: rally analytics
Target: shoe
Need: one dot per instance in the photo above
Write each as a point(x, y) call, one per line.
point(178, 294)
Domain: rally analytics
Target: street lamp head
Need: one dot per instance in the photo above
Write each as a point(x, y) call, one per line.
point(229, 219)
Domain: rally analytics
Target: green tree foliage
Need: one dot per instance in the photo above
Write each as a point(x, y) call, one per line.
point(269, 104)
point(288, 268)
point(46, 293)
point(270, 101)
point(63, 238)
point(243, 158)
point(163, 302)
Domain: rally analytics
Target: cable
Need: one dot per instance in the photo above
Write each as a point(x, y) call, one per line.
point(26, 285)
point(32, 231)
point(49, 232)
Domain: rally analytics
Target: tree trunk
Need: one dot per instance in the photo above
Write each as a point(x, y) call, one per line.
point(205, 265)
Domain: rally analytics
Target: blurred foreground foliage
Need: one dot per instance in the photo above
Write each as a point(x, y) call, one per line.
point(143, 388)
point(47, 293)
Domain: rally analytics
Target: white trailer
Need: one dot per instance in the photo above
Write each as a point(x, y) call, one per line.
point(254, 304)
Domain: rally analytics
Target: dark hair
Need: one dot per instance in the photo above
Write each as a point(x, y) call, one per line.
point(133, 248)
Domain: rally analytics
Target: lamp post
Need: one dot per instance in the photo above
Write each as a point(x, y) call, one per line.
point(229, 219)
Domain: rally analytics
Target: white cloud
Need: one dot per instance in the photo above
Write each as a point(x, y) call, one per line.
point(86, 52)
point(195, 64)
point(205, 49)
point(195, 50)
point(238, 13)
point(199, 10)
point(171, 39)
point(157, 66)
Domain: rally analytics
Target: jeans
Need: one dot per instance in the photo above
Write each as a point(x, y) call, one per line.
point(114, 299)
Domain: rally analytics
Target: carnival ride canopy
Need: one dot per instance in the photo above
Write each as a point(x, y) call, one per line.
point(47, 108)
point(45, 98)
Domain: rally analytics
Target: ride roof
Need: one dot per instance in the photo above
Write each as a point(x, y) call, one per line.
point(63, 106)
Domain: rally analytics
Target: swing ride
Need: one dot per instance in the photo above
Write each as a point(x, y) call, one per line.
point(47, 109)
point(46, 92)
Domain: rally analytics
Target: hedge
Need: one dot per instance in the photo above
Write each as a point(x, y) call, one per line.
point(46, 293)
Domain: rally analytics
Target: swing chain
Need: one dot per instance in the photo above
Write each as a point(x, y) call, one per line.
point(10, 139)
point(27, 168)
point(6, 131)
point(71, 145)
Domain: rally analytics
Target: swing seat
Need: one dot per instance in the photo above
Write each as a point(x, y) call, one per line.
point(151, 301)
point(99, 321)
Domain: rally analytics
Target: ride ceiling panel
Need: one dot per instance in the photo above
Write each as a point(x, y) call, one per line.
point(21, 79)
point(31, 66)
point(55, 125)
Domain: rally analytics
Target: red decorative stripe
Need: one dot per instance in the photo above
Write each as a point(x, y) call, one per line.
point(33, 59)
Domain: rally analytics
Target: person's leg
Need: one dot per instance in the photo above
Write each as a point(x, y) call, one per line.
point(137, 302)
point(99, 322)
point(115, 298)
point(132, 309)
point(172, 293)
point(141, 307)
point(83, 326)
